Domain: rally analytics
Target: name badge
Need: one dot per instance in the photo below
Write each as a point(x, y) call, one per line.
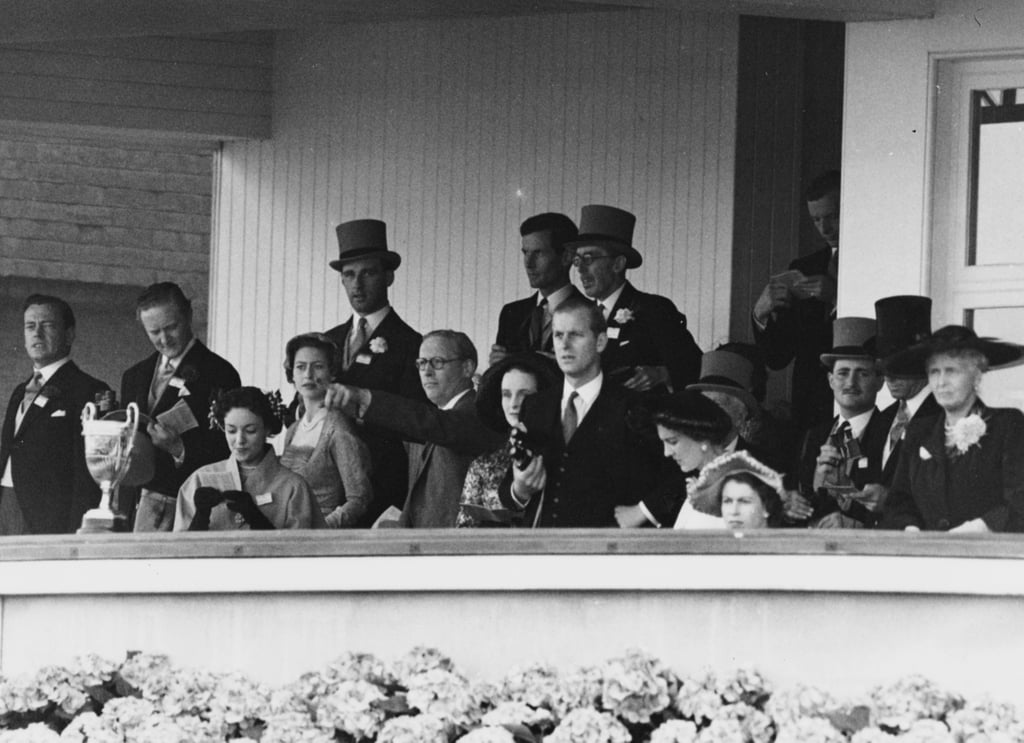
point(263, 499)
point(41, 401)
point(613, 333)
point(363, 358)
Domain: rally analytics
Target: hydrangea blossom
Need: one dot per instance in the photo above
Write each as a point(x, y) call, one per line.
point(488, 734)
point(698, 698)
point(418, 729)
point(872, 735)
point(927, 731)
point(537, 685)
point(675, 731)
point(445, 695)
point(912, 698)
point(517, 713)
point(294, 727)
point(637, 686)
point(985, 718)
point(743, 685)
point(579, 689)
point(587, 725)
point(755, 725)
point(420, 660)
point(37, 732)
point(351, 709)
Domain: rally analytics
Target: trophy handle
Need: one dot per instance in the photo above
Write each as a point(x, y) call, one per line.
point(89, 412)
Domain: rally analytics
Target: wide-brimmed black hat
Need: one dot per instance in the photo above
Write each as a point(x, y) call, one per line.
point(364, 238)
point(608, 227)
point(689, 412)
point(903, 321)
point(955, 339)
point(852, 338)
point(488, 396)
point(729, 373)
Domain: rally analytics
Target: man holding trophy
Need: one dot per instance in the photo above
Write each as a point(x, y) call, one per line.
point(46, 487)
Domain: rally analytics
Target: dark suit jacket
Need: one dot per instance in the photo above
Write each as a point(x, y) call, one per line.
point(393, 371)
point(938, 491)
point(604, 465)
point(867, 470)
point(51, 482)
point(801, 333)
point(205, 375)
point(928, 408)
point(655, 336)
point(442, 443)
point(514, 324)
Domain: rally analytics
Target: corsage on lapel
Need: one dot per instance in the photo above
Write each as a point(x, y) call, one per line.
point(924, 454)
point(378, 345)
point(965, 433)
point(182, 376)
point(624, 316)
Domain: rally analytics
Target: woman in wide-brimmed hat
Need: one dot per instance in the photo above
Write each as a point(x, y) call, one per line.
point(503, 388)
point(742, 491)
point(962, 470)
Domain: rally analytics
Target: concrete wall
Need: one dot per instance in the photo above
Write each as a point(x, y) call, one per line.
point(455, 131)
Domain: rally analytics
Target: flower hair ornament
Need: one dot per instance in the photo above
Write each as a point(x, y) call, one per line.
point(965, 433)
point(704, 491)
point(276, 402)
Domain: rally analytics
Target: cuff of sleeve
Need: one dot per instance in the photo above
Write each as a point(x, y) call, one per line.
point(650, 516)
point(179, 460)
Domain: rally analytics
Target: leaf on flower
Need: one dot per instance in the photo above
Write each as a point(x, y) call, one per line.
point(850, 722)
point(521, 733)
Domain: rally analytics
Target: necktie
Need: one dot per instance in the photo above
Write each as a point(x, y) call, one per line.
point(537, 325)
point(31, 390)
point(356, 341)
point(570, 419)
point(600, 306)
point(899, 425)
point(160, 380)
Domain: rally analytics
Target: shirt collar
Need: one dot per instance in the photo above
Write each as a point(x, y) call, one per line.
point(857, 423)
point(50, 369)
point(914, 404)
point(556, 297)
point(587, 392)
point(177, 359)
point(451, 403)
point(611, 300)
point(374, 319)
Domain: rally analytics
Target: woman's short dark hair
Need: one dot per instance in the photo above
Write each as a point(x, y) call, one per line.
point(319, 341)
point(252, 399)
point(488, 396)
point(770, 498)
point(693, 415)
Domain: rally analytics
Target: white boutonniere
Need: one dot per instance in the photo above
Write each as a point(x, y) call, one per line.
point(924, 454)
point(378, 345)
point(623, 316)
point(965, 433)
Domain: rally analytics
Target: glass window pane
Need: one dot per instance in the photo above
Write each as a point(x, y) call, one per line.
point(1000, 228)
point(1001, 387)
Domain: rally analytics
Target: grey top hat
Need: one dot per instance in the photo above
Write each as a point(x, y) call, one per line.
point(727, 372)
point(852, 338)
point(364, 238)
point(608, 227)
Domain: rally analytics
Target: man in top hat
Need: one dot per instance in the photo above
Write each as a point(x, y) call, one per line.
point(841, 461)
point(792, 317)
point(648, 344)
point(902, 322)
point(586, 460)
point(378, 348)
point(173, 386)
point(46, 486)
point(525, 325)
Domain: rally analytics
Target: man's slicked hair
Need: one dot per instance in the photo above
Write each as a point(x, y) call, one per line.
point(560, 227)
point(164, 292)
point(826, 183)
point(595, 318)
point(62, 307)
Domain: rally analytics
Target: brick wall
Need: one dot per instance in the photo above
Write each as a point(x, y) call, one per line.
point(97, 221)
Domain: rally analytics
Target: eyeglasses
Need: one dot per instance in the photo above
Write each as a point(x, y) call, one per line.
point(436, 363)
point(587, 259)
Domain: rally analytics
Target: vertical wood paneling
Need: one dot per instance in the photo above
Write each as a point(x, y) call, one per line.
point(454, 132)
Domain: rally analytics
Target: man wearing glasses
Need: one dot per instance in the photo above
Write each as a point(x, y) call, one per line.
point(648, 346)
point(442, 436)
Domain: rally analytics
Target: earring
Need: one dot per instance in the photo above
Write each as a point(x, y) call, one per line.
point(703, 447)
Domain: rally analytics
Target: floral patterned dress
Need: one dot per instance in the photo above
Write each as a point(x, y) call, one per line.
point(482, 482)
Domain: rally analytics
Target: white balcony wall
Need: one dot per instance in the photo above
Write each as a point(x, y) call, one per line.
point(455, 131)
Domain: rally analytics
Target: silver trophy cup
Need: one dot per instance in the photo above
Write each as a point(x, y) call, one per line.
point(108, 454)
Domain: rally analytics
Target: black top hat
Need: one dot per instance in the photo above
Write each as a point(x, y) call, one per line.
point(488, 396)
point(728, 372)
point(903, 321)
point(953, 339)
point(608, 227)
point(364, 238)
point(852, 338)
